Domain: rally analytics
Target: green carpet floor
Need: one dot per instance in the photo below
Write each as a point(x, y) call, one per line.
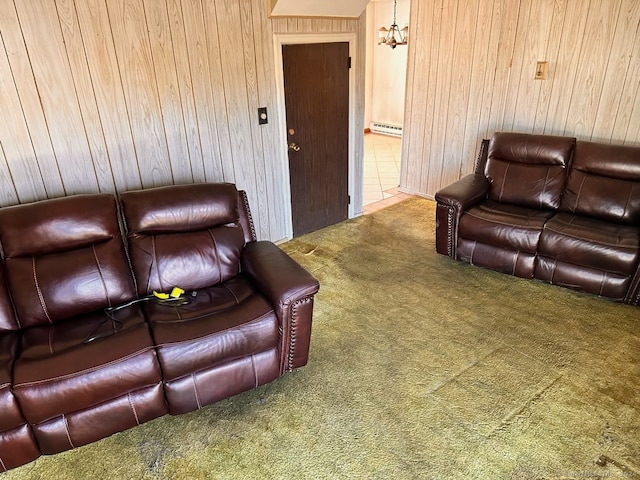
point(420, 368)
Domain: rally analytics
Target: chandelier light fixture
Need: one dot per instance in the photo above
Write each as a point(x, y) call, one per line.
point(393, 36)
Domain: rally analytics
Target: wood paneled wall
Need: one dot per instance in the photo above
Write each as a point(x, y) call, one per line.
point(114, 95)
point(471, 69)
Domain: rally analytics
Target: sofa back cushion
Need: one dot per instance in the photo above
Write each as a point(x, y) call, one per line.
point(528, 170)
point(64, 257)
point(604, 182)
point(188, 236)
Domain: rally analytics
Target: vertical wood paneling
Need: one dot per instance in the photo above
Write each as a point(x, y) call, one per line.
point(443, 93)
point(240, 126)
point(30, 109)
point(15, 142)
point(108, 91)
point(214, 146)
point(516, 65)
point(253, 98)
point(534, 49)
point(618, 67)
point(274, 171)
point(588, 87)
point(58, 99)
point(592, 91)
point(166, 79)
point(509, 14)
point(489, 73)
point(428, 83)
point(185, 88)
point(8, 195)
point(313, 25)
point(630, 98)
point(217, 53)
point(454, 144)
point(479, 70)
point(411, 162)
point(74, 49)
point(133, 52)
point(553, 51)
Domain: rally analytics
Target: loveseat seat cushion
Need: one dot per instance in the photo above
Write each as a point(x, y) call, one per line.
point(501, 237)
point(604, 183)
point(528, 170)
point(64, 257)
point(588, 254)
point(70, 369)
point(221, 325)
point(504, 226)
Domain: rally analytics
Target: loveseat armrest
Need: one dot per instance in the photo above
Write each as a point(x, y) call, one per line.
point(290, 289)
point(464, 193)
point(452, 201)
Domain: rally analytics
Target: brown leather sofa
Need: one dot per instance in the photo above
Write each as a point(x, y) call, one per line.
point(87, 350)
point(552, 208)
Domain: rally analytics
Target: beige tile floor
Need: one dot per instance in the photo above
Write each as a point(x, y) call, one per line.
point(381, 172)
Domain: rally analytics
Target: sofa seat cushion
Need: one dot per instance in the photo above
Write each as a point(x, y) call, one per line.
point(222, 323)
point(504, 225)
point(58, 372)
point(591, 243)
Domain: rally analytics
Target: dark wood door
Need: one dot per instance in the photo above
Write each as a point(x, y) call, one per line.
point(316, 88)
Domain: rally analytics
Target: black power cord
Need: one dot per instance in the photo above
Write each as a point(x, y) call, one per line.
point(116, 324)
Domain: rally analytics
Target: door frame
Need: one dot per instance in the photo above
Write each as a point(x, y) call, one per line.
point(279, 40)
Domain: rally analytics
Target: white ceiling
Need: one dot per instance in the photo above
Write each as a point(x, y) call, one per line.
point(318, 8)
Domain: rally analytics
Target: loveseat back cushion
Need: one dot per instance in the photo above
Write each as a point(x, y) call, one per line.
point(183, 235)
point(64, 257)
point(604, 182)
point(528, 170)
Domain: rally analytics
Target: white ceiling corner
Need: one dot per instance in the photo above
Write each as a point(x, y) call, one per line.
point(318, 8)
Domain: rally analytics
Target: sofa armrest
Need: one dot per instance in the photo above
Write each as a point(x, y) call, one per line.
point(290, 289)
point(452, 201)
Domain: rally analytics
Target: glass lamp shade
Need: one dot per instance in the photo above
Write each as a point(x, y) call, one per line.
point(382, 35)
point(405, 33)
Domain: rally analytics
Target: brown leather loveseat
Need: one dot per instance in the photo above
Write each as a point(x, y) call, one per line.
point(537, 206)
point(87, 350)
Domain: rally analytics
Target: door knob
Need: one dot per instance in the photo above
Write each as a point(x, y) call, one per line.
point(293, 147)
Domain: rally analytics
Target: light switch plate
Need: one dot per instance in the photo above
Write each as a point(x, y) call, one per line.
point(262, 116)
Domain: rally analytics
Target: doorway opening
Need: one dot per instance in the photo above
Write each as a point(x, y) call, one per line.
point(386, 70)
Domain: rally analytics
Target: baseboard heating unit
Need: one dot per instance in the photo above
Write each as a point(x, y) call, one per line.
point(386, 129)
